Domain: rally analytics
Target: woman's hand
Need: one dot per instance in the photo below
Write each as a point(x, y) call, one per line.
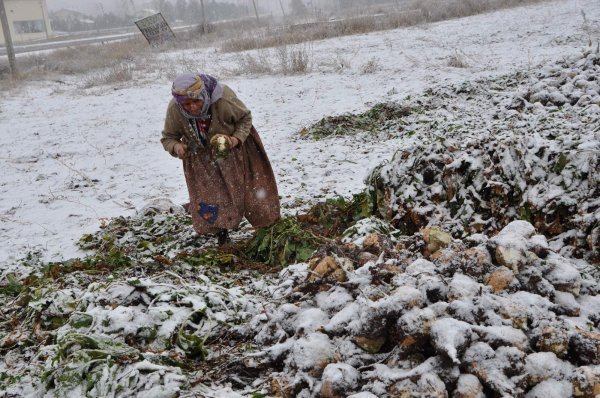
point(223, 144)
point(180, 150)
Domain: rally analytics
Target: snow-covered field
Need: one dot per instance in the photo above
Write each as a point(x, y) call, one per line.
point(512, 314)
point(72, 156)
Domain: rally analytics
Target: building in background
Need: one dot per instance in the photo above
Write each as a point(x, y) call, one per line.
point(27, 20)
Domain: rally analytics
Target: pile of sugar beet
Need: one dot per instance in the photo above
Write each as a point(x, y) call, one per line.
point(474, 273)
point(435, 317)
point(512, 307)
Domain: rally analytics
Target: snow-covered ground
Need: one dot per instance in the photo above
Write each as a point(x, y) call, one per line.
point(72, 156)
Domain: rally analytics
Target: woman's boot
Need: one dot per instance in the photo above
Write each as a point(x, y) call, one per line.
point(223, 237)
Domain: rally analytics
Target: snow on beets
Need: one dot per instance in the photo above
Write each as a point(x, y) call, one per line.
point(391, 329)
point(478, 155)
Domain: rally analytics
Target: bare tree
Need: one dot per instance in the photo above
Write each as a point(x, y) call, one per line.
point(298, 7)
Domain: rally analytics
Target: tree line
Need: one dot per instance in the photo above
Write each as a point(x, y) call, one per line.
point(181, 11)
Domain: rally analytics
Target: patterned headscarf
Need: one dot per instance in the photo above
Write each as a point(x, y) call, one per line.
point(198, 86)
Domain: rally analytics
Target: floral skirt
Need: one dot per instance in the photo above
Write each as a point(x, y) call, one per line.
point(222, 191)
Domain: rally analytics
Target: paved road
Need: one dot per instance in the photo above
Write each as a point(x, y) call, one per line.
point(68, 42)
point(49, 45)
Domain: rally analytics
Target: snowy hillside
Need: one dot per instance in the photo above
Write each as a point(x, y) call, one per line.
point(461, 261)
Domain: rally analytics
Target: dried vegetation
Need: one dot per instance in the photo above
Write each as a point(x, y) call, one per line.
point(116, 60)
point(368, 20)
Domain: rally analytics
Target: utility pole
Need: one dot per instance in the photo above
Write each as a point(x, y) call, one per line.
point(282, 10)
point(46, 19)
point(12, 61)
point(203, 17)
point(255, 10)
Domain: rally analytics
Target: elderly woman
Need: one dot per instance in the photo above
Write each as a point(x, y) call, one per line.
point(227, 171)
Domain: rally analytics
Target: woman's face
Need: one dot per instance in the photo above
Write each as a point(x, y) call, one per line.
point(193, 106)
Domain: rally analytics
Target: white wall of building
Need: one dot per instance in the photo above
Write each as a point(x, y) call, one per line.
point(27, 19)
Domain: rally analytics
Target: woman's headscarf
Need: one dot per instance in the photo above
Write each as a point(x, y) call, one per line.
point(196, 86)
